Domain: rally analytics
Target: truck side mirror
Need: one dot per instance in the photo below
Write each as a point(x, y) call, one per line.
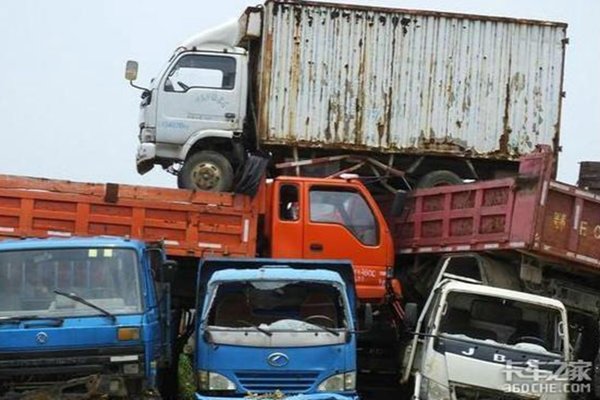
point(169, 271)
point(398, 203)
point(411, 315)
point(131, 70)
point(368, 317)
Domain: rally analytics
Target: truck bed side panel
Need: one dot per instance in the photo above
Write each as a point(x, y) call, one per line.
point(529, 213)
point(189, 223)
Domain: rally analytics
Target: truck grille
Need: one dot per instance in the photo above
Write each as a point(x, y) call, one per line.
point(287, 382)
point(30, 370)
point(471, 393)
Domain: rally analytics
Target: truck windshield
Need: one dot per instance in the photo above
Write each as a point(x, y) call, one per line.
point(278, 306)
point(525, 326)
point(105, 277)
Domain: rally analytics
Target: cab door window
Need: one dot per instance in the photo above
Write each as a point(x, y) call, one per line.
point(347, 208)
point(289, 200)
point(201, 71)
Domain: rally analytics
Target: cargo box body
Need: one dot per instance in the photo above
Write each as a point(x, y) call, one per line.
point(405, 81)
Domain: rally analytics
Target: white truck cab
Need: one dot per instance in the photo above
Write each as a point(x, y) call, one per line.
point(477, 342)
point(194, 111)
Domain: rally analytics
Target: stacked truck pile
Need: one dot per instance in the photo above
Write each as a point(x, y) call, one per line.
point(326, 286)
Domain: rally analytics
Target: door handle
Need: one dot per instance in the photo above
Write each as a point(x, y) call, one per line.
point(230, 115)
point(316, 247)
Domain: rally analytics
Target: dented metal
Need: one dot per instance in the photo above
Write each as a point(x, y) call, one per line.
point(392, 80)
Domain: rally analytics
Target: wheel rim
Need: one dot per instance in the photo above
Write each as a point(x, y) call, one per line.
point(206, 176)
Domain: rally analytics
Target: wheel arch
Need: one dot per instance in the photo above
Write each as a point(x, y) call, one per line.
point(207, 140)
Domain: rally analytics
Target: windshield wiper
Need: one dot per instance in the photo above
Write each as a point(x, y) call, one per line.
point(81, 300)
point(326, 328)
point(258, 328)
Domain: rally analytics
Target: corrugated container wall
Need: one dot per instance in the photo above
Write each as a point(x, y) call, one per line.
point(405, 81)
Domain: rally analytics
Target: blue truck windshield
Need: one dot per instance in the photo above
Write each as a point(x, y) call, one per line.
point(106, 277)
point(278, 306)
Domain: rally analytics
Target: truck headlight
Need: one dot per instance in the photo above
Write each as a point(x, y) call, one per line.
point(212, 381)
point(339, 383)
point(431, 390)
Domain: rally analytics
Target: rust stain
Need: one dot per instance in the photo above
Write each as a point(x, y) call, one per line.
point(265, 85)
point(503, 141)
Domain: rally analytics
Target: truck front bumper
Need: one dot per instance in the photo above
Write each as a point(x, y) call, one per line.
point(312, 396)
point(146, 154)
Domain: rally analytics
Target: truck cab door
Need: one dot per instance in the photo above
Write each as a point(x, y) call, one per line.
point(201, 94)
point(320, 219)
point(342, 222)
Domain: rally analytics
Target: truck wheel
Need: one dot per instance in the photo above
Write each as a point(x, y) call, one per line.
point(206, 170)
point(439, 178)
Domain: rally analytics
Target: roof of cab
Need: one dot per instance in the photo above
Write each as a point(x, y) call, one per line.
point(278, 273)
point(96, 241)
point(475, 288)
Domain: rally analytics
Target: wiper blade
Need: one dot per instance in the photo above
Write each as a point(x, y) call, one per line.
point(328, 329)
point(258, 328)
point(81, 300)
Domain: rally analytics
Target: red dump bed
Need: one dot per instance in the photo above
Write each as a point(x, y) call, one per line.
point(190, 224)
point(529, 213)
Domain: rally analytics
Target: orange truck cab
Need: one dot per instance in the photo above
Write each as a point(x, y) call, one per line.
point(314, 218)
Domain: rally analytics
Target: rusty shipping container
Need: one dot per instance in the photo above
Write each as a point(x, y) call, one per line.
point(406, 81)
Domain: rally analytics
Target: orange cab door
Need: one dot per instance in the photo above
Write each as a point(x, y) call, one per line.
point(340, 222)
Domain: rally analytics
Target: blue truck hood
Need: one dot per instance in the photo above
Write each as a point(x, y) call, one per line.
point(74, 333)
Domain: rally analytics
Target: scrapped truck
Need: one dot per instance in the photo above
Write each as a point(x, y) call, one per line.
point(276, 329)
point(289, 217)
point(477, 342)
point(527, 233)
point(442, 96)
point(84, 318)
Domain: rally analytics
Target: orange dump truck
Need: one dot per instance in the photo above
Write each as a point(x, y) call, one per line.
point(290, 217)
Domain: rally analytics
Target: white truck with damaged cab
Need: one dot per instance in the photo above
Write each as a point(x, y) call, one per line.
point(478, 342)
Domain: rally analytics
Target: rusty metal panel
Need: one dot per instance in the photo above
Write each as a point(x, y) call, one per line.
point(189, 223)
point(529, 213)
point(392, 80)
point(569, 224)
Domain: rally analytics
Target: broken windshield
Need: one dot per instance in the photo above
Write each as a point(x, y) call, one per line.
point(278, 306)
point(527, 326)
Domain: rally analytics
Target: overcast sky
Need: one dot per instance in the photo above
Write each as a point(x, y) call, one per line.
point(67, 112)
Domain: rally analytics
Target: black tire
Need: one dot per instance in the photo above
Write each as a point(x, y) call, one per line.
point(206, 170)
point(439, 178)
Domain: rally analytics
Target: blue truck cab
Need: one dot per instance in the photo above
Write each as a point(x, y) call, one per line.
point(82, 315)
point(275, 327)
